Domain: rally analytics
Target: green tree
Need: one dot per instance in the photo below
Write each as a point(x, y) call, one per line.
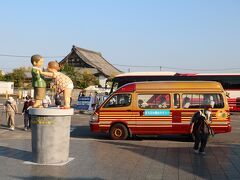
point(87, 79)
point(70, 72)
point(1, 75)
point(17, 76)
point(80, 80)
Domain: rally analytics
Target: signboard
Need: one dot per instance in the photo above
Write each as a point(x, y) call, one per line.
point(84, 103)
point(157, 112)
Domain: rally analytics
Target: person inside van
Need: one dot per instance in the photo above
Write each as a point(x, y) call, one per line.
point(208, 100)
point(186, 102)
point(125, 101)
point(163, 103)
point(142, 104)
point(211, 101)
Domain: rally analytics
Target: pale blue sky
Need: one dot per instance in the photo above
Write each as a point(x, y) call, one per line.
point(191, 34)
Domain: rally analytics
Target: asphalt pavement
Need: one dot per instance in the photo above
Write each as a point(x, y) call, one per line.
point(146, 157)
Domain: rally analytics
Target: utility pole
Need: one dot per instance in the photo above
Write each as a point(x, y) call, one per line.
point(160, 67)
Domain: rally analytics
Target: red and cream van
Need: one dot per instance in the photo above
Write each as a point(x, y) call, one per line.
point(154, 108)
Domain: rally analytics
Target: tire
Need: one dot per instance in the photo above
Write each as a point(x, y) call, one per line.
point(119, 132)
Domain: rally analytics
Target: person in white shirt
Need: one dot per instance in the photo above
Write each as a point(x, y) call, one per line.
point(47, 101)
point(11, 108)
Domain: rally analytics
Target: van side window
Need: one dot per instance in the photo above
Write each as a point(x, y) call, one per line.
point(186, 102)
point(176, 101)
point(142, 101)
point(119, 100)
point(201, 100)
point(154, 101)
point(214, 100)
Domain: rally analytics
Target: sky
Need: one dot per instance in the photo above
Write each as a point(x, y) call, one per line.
point(133, 35)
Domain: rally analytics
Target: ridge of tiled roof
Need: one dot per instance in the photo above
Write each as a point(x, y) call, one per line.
point(87, 50)
point(95, 60)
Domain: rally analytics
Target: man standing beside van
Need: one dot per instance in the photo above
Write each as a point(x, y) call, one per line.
point(201, 129)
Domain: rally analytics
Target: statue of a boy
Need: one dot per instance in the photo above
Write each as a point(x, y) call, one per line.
point(62, 82)
point(38, 82)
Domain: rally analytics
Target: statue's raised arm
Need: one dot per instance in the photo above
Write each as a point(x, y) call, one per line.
point(62, 82)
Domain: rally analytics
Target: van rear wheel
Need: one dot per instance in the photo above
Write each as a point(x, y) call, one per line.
point(119, 132)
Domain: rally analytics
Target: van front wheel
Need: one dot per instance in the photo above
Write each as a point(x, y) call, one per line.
point(118, 132)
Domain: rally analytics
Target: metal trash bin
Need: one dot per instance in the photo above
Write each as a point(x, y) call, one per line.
point(50, 135)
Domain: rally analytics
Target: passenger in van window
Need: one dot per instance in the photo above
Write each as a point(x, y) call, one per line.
point(124, 101)
point(208, 100)
point(142, 104)
point(163, 103)
point(112, 101)
point(186, 102)
point(211, 101)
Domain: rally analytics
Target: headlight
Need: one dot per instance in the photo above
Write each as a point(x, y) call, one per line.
point(94, 118)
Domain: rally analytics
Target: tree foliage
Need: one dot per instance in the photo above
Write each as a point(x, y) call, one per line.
point(87, 79)
point(17, 76)
point(80, 80)
point(1, 75)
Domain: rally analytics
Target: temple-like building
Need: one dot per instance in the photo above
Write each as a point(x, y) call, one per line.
point(91, 61)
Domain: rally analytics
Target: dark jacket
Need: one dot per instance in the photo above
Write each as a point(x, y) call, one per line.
point(201, 123)
point(57, 100)
point(26, 106)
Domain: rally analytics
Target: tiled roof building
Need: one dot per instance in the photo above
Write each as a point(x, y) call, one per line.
point(83, 59)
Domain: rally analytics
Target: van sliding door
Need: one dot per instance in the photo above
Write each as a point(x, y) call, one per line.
point(154, 113)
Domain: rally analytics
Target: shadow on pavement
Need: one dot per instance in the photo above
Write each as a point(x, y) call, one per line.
point(178, 138)
point(53, 178)
point(15, 153)
point(84, 132)
point(221, 161)
point(5, 127)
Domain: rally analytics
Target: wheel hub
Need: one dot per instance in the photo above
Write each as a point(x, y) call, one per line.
point(118, 132)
